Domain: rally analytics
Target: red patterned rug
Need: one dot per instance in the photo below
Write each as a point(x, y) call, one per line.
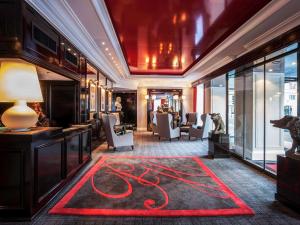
point(150, 186)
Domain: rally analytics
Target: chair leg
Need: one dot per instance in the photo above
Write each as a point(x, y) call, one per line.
point(153, 133)
point(170, 139)
point(115, 148)
point(178, 138)
point(189, 137)
point(132, 147)
point(158, 137)
point(107, 147)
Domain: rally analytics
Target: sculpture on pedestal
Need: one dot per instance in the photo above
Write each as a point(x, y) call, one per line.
point(291, 123)
point(218, 122)
point(118, 104)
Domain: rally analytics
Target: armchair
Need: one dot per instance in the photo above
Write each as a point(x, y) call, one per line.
point(164, 121)
point(191, 120)
point(201, 131)
point(113, 139)
point(153, 122)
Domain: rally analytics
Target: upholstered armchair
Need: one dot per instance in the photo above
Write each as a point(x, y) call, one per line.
point(200, 131)
point(113, 139)
point(191, 120)
point(164, 125)
point(153, 122)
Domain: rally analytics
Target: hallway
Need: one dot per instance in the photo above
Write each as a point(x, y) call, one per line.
point(253, 187)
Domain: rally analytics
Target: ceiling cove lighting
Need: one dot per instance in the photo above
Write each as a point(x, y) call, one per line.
point(19, 83)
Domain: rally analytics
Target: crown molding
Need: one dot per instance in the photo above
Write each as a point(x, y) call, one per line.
point(105, 19)
point(61, 16)
point(276, 31)
point(261, 16)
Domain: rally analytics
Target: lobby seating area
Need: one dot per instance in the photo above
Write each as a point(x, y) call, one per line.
point(117, 112)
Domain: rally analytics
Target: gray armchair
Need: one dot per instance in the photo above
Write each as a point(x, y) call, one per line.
point(153, 122)
point(191, 120)
point(164, 121)
point(113, 139)
point(200, 131)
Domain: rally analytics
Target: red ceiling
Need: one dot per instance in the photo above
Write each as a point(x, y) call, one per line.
point(169, 36)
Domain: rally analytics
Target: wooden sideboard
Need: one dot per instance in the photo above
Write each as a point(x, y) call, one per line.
point(35, 165)
point(288, 181)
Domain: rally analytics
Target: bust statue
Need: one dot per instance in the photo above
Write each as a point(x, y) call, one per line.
point(118, 104)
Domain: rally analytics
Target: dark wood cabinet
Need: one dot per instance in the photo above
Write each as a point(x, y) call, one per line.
point(34, 165)
point(288, 181)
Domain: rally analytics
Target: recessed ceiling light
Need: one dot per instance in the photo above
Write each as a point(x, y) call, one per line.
point(69, 49)
point(270, 70)
point(294, 63)
point(106, 49)
point(103, 43)
point(109, 53)
point(74, 53)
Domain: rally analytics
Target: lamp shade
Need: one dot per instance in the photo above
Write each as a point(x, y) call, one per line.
point(19, 81)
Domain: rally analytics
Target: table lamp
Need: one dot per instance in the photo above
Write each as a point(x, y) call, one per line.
point(19, 83)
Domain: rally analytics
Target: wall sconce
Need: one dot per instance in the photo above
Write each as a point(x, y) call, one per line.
point(146, 97)
point(153, 97)
point(183, 97)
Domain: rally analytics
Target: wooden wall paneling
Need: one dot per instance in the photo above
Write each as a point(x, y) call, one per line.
point(10, 28)
point(47, 169)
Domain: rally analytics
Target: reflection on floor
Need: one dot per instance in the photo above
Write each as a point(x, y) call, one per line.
point(256, 189)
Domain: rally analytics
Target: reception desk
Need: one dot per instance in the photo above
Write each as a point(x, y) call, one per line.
point(35, 165)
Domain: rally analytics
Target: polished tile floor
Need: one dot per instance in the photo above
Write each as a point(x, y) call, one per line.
point(255, 188)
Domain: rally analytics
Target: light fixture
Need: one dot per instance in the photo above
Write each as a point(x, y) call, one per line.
point(294, 63)
point(146, 97)
point(103, 43)
point(153, 97)
point(69, 49)
point(175, 97)
point(106, 49)
point(183, 97)
point(270, 70)
point(19, 83)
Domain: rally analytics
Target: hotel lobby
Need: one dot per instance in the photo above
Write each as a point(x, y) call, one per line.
point(128, 112)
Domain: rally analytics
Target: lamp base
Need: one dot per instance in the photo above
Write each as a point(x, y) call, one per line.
point(20, 117)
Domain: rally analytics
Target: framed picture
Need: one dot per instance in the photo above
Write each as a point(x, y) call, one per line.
point(93, 103)
point(102, 100)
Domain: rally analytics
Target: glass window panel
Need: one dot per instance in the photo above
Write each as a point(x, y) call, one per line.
point(254, 116)
point(235, 113)
point(218, 96)
point(200, 102)
point(282, 51)
point(281, 100)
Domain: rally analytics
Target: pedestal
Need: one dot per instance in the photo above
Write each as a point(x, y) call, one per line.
point(218, 145)
point(288, 181)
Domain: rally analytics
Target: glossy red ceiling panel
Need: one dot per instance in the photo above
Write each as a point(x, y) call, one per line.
point(169, 36)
